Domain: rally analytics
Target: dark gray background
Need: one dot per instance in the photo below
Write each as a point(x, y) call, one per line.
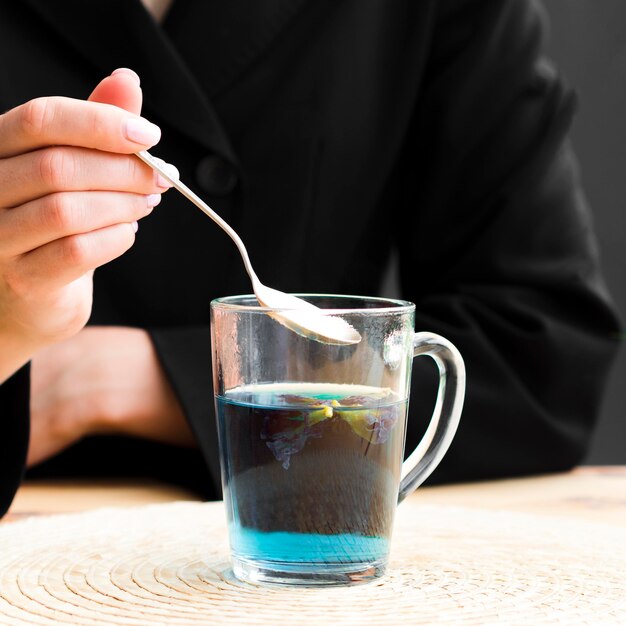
point(588, 44)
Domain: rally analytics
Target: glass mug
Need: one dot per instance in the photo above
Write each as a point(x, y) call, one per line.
point(312, 436)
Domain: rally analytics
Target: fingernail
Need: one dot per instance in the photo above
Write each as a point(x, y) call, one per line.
point(172, 170)
point(153, 199)
point(163, 182)
point(135, 226)
point(142, 131)
point(127, 70)
point(173, 173)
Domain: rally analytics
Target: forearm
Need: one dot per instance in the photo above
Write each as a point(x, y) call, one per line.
point(504, 247)
point(535, 377)
point(105, 380)
point(528, 310)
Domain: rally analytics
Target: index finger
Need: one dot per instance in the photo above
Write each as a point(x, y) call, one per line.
point(57, 120)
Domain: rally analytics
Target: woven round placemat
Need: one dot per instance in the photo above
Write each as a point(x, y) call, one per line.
point(167, 564)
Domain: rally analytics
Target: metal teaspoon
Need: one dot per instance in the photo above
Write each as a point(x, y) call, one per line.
point(295, 313)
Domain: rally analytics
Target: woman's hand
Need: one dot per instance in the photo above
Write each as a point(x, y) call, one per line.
point(70, 194)
point(104, 380)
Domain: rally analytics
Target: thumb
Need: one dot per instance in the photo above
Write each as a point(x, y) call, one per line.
point(121, 89)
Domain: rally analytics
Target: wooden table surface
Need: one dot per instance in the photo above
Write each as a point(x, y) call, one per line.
point(590, 493)
point(500, 569)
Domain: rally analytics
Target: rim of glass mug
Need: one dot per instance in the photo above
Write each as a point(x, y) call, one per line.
point(372, 305)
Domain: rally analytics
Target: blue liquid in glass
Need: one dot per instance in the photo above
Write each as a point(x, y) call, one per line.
point(311, 472)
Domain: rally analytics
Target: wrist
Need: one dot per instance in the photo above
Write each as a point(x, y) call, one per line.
point(15, 351)
point(117, 376)
point(58, 390)
point(57, 402)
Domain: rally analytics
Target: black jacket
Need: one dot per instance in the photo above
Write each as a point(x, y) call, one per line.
point(347, 131)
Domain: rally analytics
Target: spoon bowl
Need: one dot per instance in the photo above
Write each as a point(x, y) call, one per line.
point(305, 318)
point(295, 313)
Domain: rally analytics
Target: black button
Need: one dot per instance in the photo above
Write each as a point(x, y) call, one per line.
point(216, 176)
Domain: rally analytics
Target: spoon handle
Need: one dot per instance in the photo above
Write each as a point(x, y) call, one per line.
point(158, 166)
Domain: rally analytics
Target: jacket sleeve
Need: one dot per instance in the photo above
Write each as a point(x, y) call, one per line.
point(185, 354)
point(500, 255)
point(14, 431)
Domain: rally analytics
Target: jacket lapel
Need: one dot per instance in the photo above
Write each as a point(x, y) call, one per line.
point(221, 39)
point(215, 43)
point(121, 33)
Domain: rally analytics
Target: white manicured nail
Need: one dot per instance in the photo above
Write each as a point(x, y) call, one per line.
point(141, 131)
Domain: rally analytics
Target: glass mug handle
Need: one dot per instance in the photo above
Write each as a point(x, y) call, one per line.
point(443, 424)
